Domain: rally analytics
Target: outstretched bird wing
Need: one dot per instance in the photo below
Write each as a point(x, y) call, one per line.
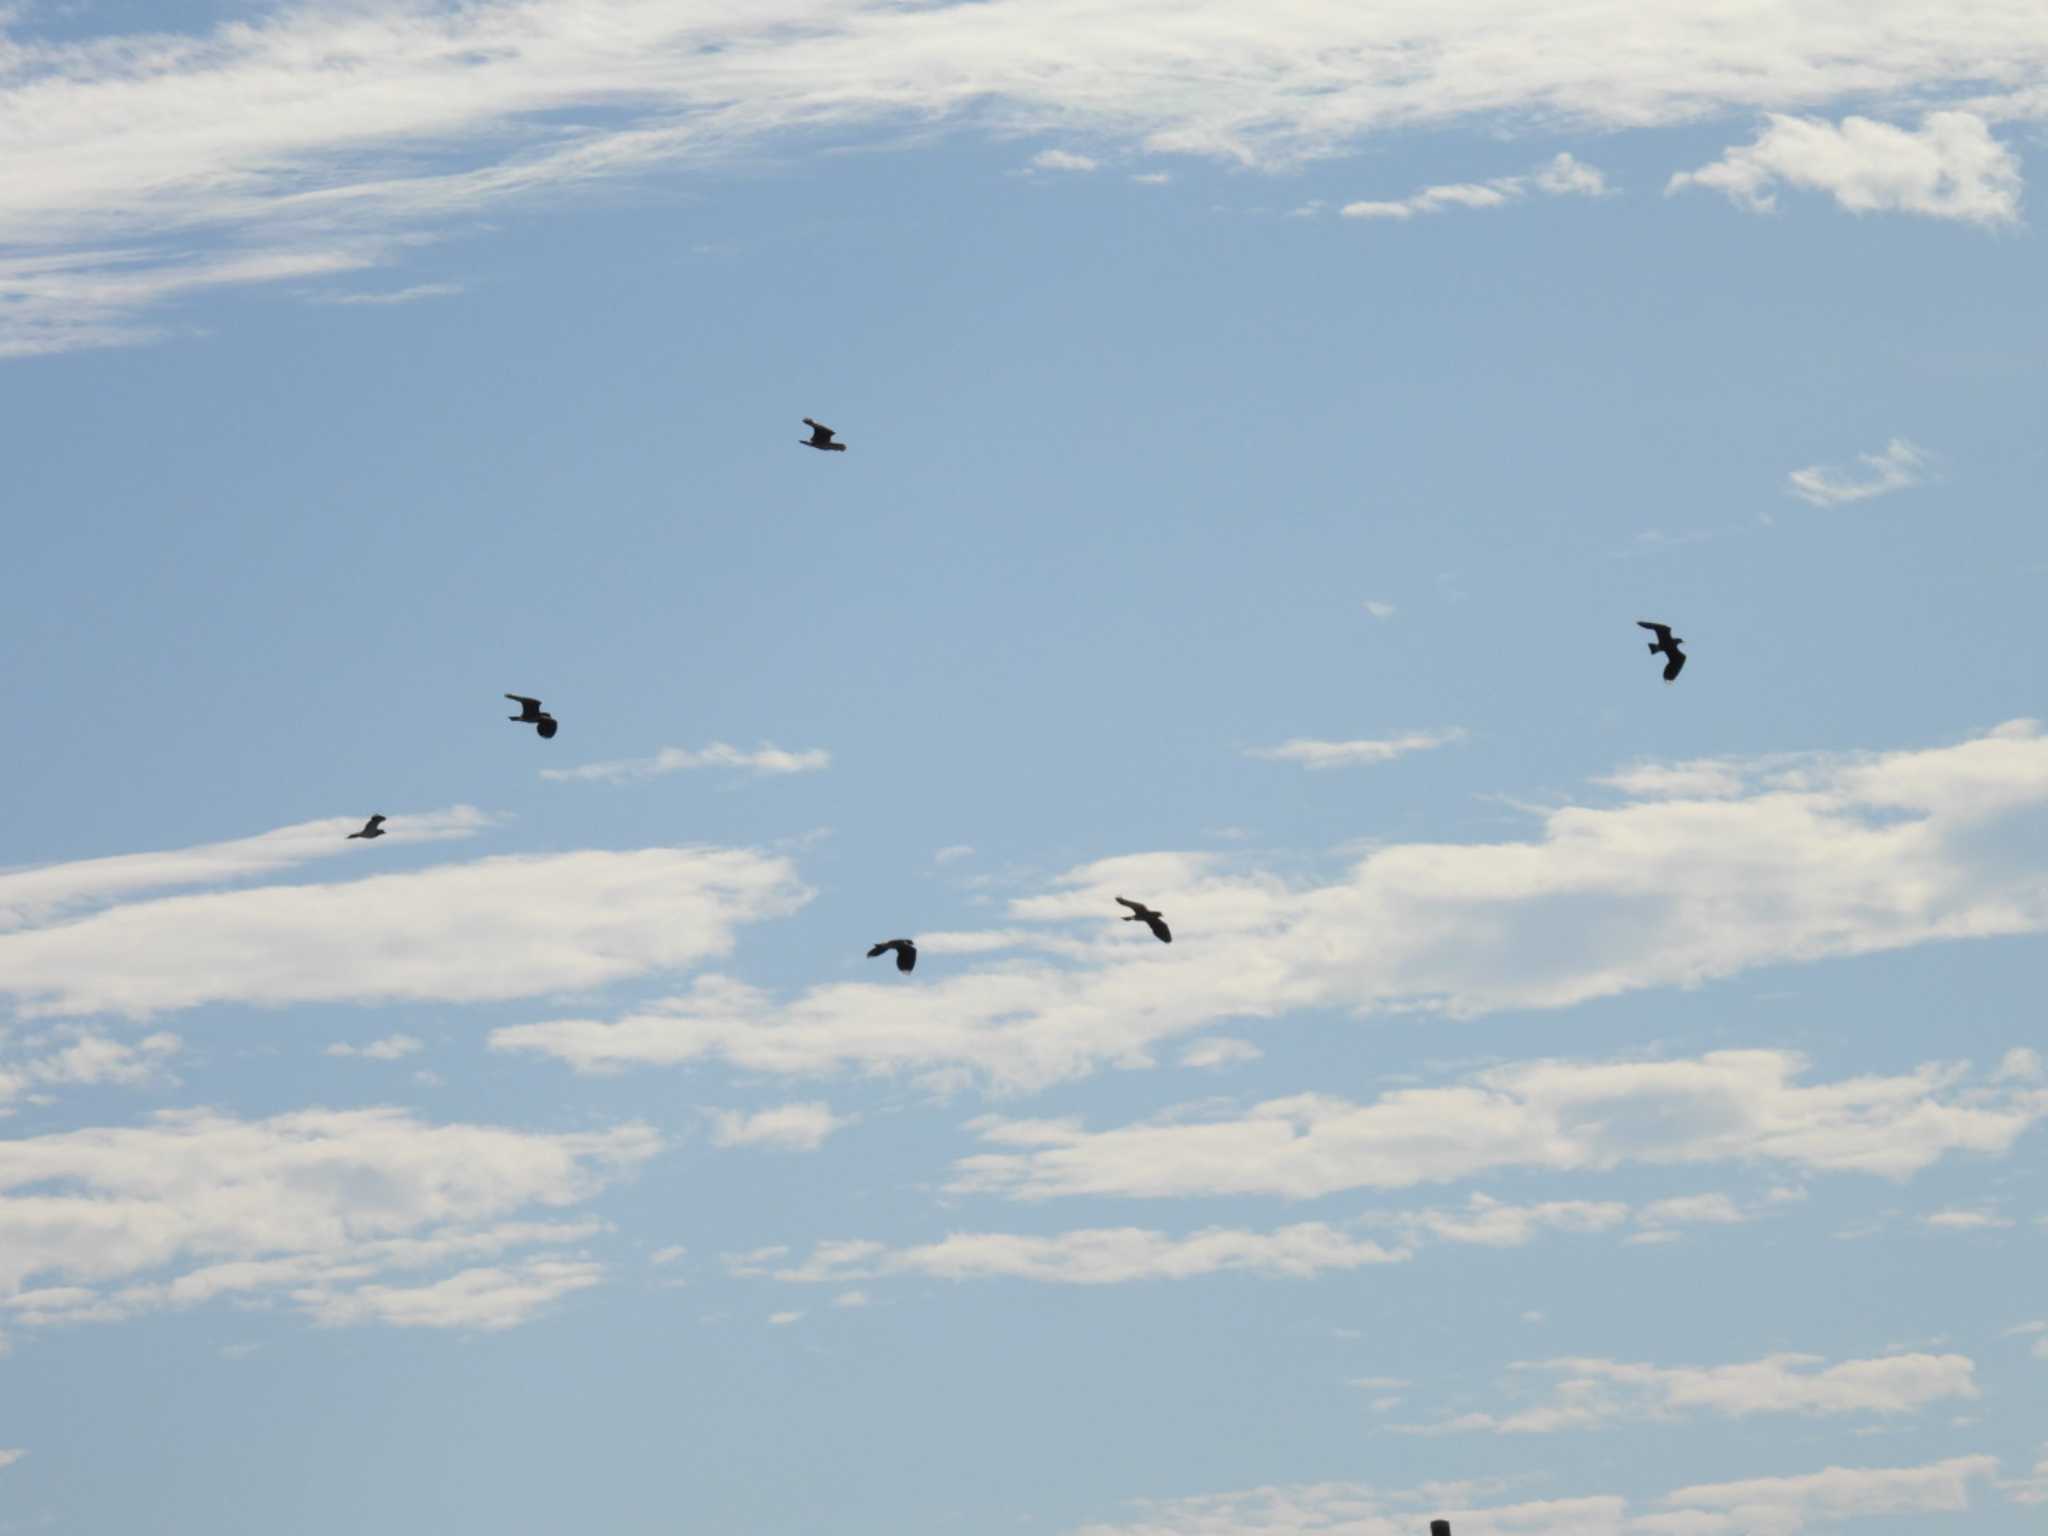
point(1662, 631)
point(1159, 929)
point(373, 823)
point(530, 707)
point(1674, 666)
point(1138, 908)
point(906, 957)
point(820, 433)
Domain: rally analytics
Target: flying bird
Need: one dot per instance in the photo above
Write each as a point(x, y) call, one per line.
point(906, 953)
point(1140, 913)
point(1439, 1528)
point(530, 713)
point(374, 827)
point(821, 438)
point(1669, 644)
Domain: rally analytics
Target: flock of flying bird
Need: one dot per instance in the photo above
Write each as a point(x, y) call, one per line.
point(825, 440)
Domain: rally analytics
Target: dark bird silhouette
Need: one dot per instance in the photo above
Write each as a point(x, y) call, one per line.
point(906, 953)
point(821, 438)
point(1439, 1528)
point(374, 827)
point(530, 713)
point(1669, 644)
point(1140, 913)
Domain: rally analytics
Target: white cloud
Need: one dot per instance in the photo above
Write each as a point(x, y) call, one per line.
point(1152, 178)
point(1778, 1506)
point(1379, 610)
point(117, 146)
point(953, 852)
point(1589, 1393)
point(524, 926)
point(1219, 1051)
point(410, 295)
point(1823, 855)
point(322, 1207)
point(1094, 1256)
point(767, 761)
point(2022, 1064)
point(390, 1048)
point(1727, 1106)
point(1351, 754)
point(1952, 168)
point(669, 1255)
point(1896, 469)
point(1562, 176)
point(8, 1457)
point(1782, 1506)
point(790, 1127)
point(783, 1319)
point(2030, 1490)
point(75, 1057)
point(1062, 160)
point(1955, 1220)
point(33, 896)
point(851, 1299)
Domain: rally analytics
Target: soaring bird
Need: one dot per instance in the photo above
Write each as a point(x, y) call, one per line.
point(1439, 1528)
point(821, 438)
point(906, 953)
point(1669, 644)
point(374, 827)
point(1140, 913)
point(530, 713)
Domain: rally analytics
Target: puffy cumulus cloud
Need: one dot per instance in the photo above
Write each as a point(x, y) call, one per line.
point(1587, 1393)
point(1727, 1106)
point(790, 1127)
point(29, 897)
point(1351, 754)
point(492, 929)
point(1895, 469)
point(1786, 860)
point(1951, 168)
point(388, 117)
point(766, 761)
point(320, 1207)
point(1562, 176)
point(1780, 1506)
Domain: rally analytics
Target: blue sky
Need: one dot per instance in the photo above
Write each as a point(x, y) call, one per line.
point(1570, 1104)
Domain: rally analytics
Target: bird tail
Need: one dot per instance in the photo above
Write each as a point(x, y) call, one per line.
point(1653, 650)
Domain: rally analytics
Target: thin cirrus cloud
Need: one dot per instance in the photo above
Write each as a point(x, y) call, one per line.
point(1563, 176)
point(1806, 858)
point(1899, 467)
point(1353, 754)
point(1724, 1107)
point(325, 139)
point(787, 1127)
point(1586, 1394)
point(39, 895)
point(1765, 1506)
point(1950, 168)
point(767, 760)
point(348, 1216)
point(489, 929)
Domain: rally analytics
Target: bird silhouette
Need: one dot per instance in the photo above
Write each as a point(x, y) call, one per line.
point(1140, 913)
point(530, 713)
point(1669, 644)
point(374, 827)
point(821, 438)
point(1439, 1528)
point(906, 953)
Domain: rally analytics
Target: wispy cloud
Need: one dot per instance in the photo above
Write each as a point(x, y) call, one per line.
point(1062, 160)
point(1562, 176)
point(9, 1456)
point(530, 926)
point(126, 149)
point(1353, 754)
point(790, 1127)
point(320, 1208)
point(1379, 610)
point(1590, 1393)
point(1951, 168)
point(1896, 469)
point(390, 1048)
point(1826, 854)
point(410, 295)
point(767, 761)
